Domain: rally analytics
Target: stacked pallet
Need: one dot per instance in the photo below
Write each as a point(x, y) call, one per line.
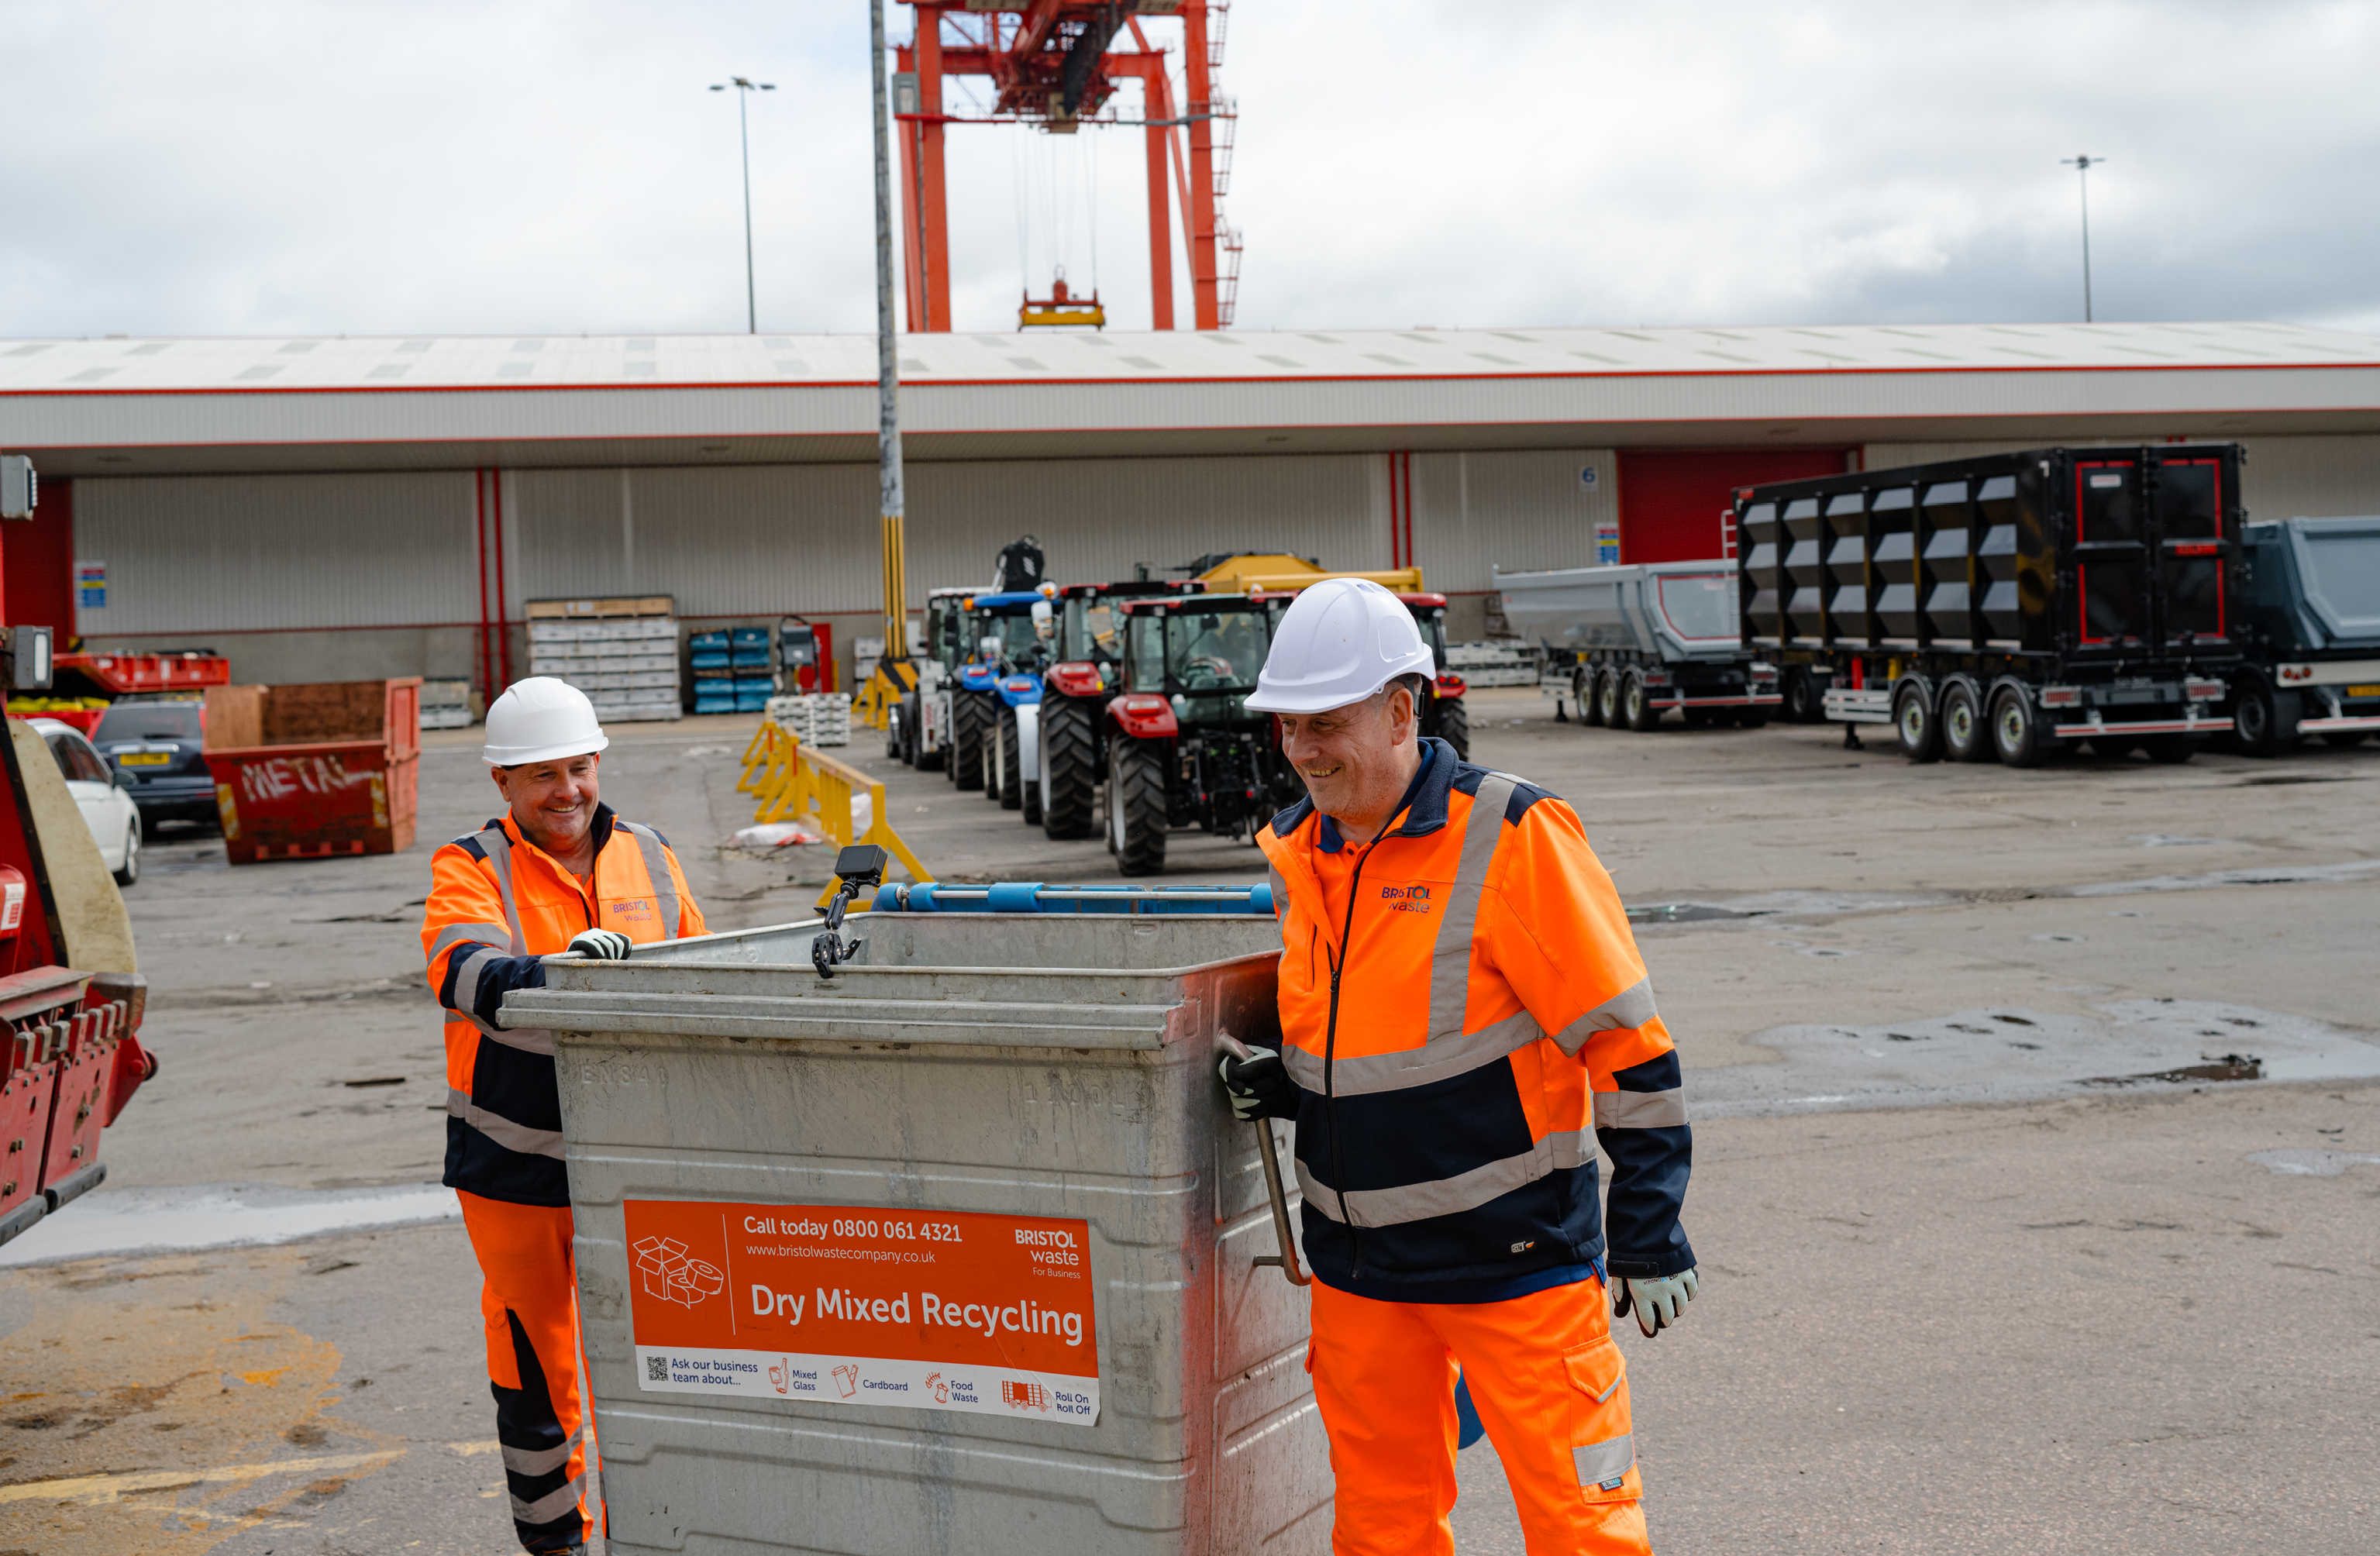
point(621, 653)
point(814, 718)
point(447, 705)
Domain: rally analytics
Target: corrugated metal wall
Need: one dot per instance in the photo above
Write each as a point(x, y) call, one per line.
point(201, 553)
point(204, 554)
point(2284, 477)
point(1474, 512)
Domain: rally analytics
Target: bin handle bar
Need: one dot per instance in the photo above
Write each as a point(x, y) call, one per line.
point(1286, 1260)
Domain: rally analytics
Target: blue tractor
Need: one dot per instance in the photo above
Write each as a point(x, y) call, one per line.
point(996, 706)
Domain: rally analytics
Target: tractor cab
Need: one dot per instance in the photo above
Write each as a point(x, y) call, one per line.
point(997, 704)
point(1183, 747)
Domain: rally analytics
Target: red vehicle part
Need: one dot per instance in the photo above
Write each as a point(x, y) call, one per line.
point(314, 772)
point(1076, 678)
point(118, 674)
point(1450, 684)
point(25, 1096)
point(1145, 716)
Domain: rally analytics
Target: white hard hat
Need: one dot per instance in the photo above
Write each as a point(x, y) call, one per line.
point(540, 720)
point(1339, 641)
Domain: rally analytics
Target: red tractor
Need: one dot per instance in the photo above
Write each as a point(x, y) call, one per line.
point(1075, 692)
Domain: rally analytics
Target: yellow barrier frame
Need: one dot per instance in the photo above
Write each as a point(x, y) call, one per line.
point(794, 782)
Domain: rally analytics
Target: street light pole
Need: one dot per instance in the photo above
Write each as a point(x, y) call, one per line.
point(893, 504)
point(744, 88)
point(2083, 166)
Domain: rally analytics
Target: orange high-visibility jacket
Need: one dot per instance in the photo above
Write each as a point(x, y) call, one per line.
point(497, 903)
point(1460, 1003)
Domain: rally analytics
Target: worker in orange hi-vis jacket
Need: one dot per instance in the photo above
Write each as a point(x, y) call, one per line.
point(558, 871)
point(1464, 1018)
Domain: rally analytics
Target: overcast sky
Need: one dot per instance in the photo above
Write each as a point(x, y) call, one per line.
point(558, 166)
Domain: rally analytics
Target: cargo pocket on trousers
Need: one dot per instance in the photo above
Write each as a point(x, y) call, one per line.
point(1602, 1443)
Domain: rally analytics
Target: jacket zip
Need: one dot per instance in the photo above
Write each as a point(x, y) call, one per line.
point(1330, 1047)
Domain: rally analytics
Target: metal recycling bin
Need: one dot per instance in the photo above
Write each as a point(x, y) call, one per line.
point(950, 1252)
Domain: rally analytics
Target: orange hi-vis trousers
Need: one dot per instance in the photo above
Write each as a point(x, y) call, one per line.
point(530, 1298)
point(1550, 1388)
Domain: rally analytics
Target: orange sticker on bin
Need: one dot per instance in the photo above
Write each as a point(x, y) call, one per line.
point(916, 1309)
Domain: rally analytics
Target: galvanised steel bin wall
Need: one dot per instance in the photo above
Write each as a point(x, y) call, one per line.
point(968, 1064)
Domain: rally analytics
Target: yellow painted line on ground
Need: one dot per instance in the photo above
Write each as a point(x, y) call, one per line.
point(94, 1490)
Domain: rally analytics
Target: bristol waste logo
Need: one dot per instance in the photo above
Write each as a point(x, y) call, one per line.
point(672, 1274)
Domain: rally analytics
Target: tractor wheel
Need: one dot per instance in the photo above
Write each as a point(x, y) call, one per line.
point(1137, 812)
point(1455, 726)
point(1068, 779)
point(966, 743)
point(1008, 786)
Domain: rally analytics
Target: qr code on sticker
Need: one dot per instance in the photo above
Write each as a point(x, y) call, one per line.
point(656, 1369)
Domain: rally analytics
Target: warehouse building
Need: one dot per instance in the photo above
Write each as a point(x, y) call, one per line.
point(325, 508)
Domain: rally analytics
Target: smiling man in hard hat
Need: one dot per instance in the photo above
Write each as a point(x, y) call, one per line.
point(1460, 1003)
point(557, 871)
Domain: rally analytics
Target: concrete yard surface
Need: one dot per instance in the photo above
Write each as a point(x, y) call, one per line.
point(2037, 1189)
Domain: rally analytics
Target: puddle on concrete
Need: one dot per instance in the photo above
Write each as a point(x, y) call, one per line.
point(2016, 1053)
point(1680, 913)
point(2231, 1066)
point(218, 1216)
point(2300, 1163)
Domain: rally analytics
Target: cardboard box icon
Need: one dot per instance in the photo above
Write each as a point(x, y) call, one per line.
point(667, 1272)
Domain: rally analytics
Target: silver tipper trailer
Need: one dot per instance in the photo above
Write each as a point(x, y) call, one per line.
point(1623, 645)
point(950, 1251)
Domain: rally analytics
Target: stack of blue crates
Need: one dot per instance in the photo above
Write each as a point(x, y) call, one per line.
point(714, 675)
point(748, 658)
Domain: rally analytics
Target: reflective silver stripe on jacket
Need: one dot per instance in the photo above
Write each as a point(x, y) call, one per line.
point(456, 933)
point(552, 1506)
point(1436, 1060)
point(1640, 1110)
point(656, 866)
point(541, 1461)
point(499, 846)
point(1607, 1460)
point(1450, 960)
point(1447, 1197)
point(1627, 1010)
point(503, 1131)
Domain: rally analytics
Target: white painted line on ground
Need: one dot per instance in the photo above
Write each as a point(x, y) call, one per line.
point(128, 1221)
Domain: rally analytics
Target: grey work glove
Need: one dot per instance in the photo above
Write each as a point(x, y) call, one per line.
point(601, 946)
point(1259, 1086)
point(1659, 1301)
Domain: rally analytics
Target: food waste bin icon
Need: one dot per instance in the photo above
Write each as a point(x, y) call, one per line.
point(940, 1387)
point(667, 1274)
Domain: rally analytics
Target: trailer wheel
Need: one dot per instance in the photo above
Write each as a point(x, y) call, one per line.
point(2170, 750)
point(1137, 812)
point(1589, 688)
point(1635, 706)
point(2264, 722)
point(1962, 722)
point(966, 741)
point(1007, 784)
point(1068, 775)
point(1914, 721)
point(2016, 729)
point(1455, 726)
point(1802, 704)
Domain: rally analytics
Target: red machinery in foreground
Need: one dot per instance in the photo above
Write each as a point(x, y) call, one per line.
point(72, 1056)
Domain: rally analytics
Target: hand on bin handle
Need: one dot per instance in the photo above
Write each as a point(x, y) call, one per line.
point(1660, 1303)
point(601, 946)
point(1259, 1085)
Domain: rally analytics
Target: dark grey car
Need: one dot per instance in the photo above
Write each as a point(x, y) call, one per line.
point(161, 746)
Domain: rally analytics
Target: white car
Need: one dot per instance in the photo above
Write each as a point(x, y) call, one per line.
point(107, 810)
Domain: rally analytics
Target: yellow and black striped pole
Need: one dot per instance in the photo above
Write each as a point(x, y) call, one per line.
point(893, 677)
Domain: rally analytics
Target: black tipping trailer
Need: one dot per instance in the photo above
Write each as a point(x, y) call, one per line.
point(2001, 606)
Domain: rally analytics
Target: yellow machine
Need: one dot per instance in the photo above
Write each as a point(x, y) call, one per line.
point(1247, 574)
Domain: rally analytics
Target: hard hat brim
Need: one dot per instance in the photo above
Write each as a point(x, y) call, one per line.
point(521, 756)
